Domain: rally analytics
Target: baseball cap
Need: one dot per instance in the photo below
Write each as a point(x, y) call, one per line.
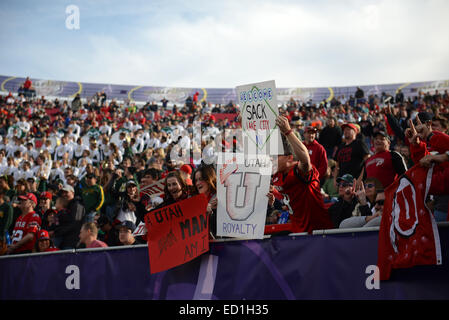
point(186, 168)
point(129, 225)
point(350, 125)
point(311, 129)
point(29, 196)
point(383, 134)
point(425, 116)
point(43, 235)
point(131, 182)
point(46, 195)
point(68, 188)
point(346, 178)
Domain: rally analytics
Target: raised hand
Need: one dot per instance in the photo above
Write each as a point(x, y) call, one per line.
point(360, 192)
point(283, 124)
point(411, 133)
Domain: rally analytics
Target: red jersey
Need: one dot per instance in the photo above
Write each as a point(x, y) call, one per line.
point(380, 166)
point(318, 157)
point(29, 223)
point(303, 195)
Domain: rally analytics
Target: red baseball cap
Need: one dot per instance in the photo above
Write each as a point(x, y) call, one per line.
point(350, 125)
point(43, 235)
point(310, 128)
point(46, 195)
point(29, 196)
point(186, 168)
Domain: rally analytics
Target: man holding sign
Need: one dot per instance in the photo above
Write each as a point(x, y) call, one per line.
point(298, 180)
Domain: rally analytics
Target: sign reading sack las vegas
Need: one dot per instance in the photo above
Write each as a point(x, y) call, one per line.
point(243, 182)
point(259, 110)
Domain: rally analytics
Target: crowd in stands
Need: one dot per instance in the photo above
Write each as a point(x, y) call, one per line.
point(72, 171)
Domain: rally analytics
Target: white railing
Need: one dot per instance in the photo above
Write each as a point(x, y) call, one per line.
point(324, 232)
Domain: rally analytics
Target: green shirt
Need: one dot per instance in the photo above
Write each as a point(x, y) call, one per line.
point(329, 188)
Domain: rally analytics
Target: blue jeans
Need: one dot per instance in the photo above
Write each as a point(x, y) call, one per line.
point(90, 217)
point(440, 216)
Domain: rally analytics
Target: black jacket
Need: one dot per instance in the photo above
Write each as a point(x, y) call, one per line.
point(341, 210)
point(70, 222)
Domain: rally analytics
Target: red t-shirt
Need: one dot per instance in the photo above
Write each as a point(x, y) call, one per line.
point(305, 200)
point(27, 84)
point(97, 244)
point(380, 166)
point(29, 223)
point(318, 157)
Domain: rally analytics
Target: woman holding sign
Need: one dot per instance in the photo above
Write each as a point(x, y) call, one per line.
point(176, 189)
point(205, 182)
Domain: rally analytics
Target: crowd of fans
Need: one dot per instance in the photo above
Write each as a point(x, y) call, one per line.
point(72, 172)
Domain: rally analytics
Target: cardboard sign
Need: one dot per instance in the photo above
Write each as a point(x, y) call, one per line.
point(243, 183)
point(177, 233)
point(154, 190)
point(259, 110)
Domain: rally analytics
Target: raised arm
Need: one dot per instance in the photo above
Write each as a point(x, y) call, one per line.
point(299, 149)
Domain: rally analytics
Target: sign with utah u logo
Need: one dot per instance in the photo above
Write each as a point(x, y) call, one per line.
point(242, 187)
point(404, 211)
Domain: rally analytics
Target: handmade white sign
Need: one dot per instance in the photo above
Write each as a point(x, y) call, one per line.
point(243, 183)
point(259, 110)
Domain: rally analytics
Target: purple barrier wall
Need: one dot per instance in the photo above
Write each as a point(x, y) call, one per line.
point(213, 95)
point(330, 266)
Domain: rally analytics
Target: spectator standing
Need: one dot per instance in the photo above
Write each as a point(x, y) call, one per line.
point(298, 180)
point(205, 182)
point(93, 197)
point(27, 225)
point(6, 216)
point(384, 165)
point(70, 220)
point(366, 128)
point(45, 199)
point(176, 189)
point(316, 151)
point(330, 137)
point(186, 173)
point(352, 152)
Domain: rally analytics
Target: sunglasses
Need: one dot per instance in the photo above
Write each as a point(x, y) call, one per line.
point(380, 202)
point(370, 185)
point(345, 184)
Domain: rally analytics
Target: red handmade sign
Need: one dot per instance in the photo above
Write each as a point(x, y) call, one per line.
point(177, 233)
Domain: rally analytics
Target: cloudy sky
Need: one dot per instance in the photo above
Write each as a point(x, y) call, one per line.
point(223, 44)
